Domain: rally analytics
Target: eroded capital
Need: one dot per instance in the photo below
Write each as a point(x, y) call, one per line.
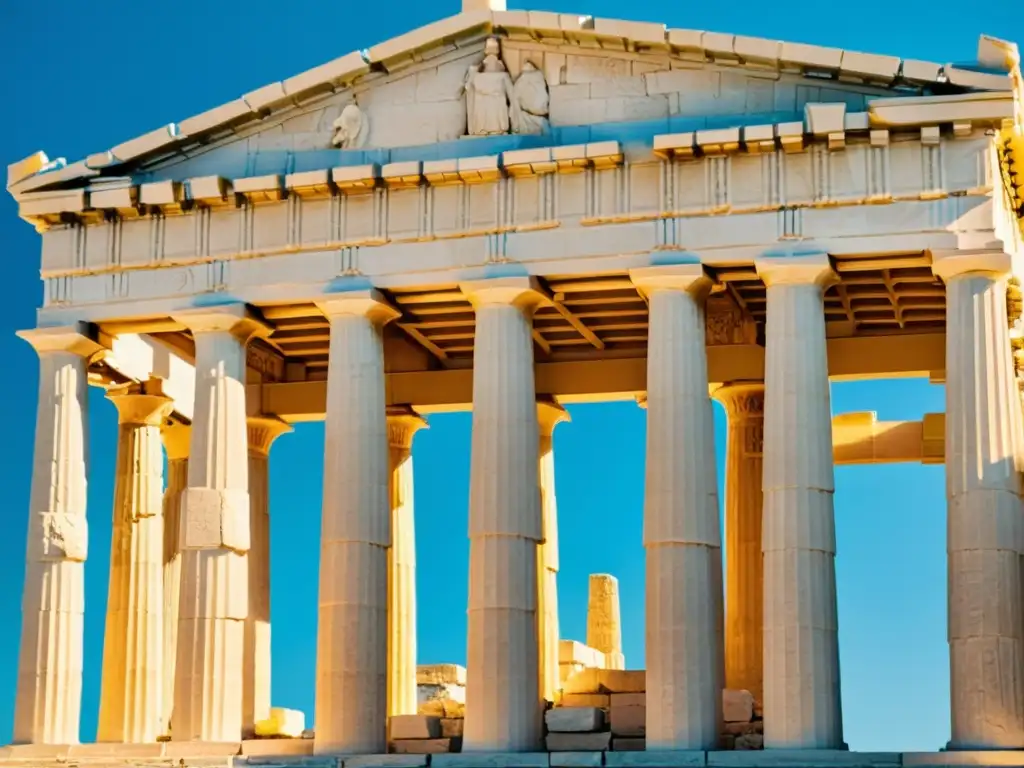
point(949, 264)
point(368, 302)
point(798, 269)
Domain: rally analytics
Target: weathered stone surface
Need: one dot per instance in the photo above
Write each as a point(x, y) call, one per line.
point(808, 758)
point(414, 727)
point(602, 700)
point(623, 744)
point(385, 761)
point(451, 727)
point(628, 700)
point(606, 681)
point(749, 741)
point(421, 746)
point(578, 742)
point(630, 720)
point(737, 706)
point(999, 758)
point(660, 759)
point(440, 674)
point(191, 749)
point(491, 760)
point(274, 747)
point(576, 759)
point(574, 719)
point(739, 729)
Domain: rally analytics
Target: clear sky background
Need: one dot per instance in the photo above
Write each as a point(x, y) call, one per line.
point(79, 77)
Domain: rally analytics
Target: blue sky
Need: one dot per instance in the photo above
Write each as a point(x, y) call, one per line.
point(77, 80)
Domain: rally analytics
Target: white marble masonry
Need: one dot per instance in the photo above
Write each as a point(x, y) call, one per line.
point(131, 700)
point(49, 693)
point(682, 535)
point(214, 533)
point(503, 703)
point(351, 666)
point(985, 525)
point(801, 647)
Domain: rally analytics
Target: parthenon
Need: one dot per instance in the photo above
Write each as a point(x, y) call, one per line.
point(511, 212)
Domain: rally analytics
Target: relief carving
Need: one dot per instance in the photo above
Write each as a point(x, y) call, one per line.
point(351, 128)
point(63, 536)
point(267, 363)
point(725, 323)
point(495, 106)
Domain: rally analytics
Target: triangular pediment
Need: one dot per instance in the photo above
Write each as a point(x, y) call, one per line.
point(588, 80)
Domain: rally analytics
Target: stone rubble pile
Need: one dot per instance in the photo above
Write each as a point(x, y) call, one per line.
point(441, 701)
point(605, 709)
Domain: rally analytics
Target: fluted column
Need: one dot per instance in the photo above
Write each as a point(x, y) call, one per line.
point(403, 424)
point(985, 527)
point(49, 693)
point(176, 439)
point(682, 536)
point(263, 431)
point(744, 587)
point(549, 415)
point(214, 533)
point(604, 619)
point(131, 702)
point(503, 701)
point(351, 667)
point(802, 707)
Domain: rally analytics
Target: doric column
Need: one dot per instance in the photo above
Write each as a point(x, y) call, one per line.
point(682, 535)
point(744, 597)
point(985, 527)
point(801, 649)
point(176, 439)
point(503, 702)
point(49, 694)
point(263, 431)
point(403, 424)
point(604, 619)
point(351, 666)
point(214, 533)
point(131, 705)
point(549, 415)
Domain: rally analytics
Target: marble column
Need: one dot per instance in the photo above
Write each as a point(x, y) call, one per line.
point(214, 533)
point(176, 439)
point(801, 650)
point(744, 586)
point(604, 619)
point(549, 415)
point(682, 535)
point(351, 667)
point(403, 424)
point(49, 689)
point(503, 700)
point(131, 702)
point(984, 527)
point(263, 431)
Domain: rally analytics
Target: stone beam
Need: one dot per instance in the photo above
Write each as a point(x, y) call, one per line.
point(859, 438)
point(140, 357)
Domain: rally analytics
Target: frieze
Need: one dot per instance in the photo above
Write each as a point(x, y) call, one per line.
point(267, 363)
point(726, 324)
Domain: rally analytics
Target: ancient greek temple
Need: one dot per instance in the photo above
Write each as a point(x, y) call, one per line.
point(510, 212)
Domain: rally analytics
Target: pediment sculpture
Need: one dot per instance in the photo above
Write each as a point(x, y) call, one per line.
point(495, 105)
point(351, 128)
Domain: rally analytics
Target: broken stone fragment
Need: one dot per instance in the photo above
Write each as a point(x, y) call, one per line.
point(737, 706)
point(414, 727)
point(574, 719)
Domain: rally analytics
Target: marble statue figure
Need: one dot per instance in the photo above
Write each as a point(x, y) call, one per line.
point(351, 128)
point(529, 111)
point(488, 90)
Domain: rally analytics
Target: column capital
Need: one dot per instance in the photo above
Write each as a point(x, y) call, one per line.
point(523, 293)
point(403, 424)
point(689, 277)
point(65, 338)
point(235, 319)
point(949, 264)
point(741, 398)
point(263, 431)
point(641, 400)
point(142, 403)
point(177, 438)
point(368, 302)
point(802, 269)
point(550, 414)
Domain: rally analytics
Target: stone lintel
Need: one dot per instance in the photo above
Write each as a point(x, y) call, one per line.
point(689, 277)
point(491, 760)
point(522, 292)
point(235, 318)
point(796, 269)
point(77, 339)
point(367, 302)
point(802, 758)
point(950, 264)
